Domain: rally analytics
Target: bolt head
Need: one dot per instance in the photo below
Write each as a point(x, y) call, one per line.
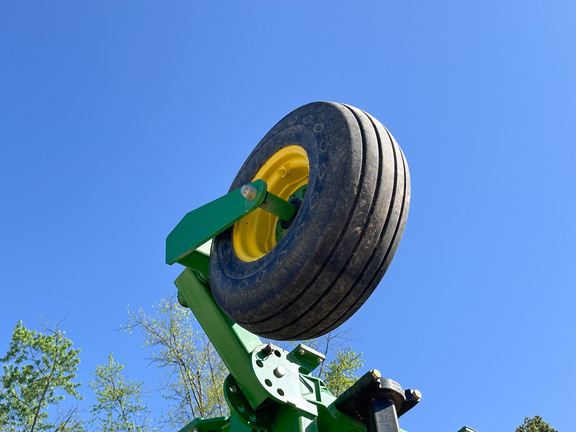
point(301, 351)
point(279, 372)
point(249, 192)
point(320, 360)
point(416, 395)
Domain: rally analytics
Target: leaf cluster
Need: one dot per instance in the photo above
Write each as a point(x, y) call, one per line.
point(535, 424)
point(339, 373)
point(119, 406)
point(38, 370)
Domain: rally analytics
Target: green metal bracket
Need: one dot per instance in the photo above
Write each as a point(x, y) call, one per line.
point(206, 222)
point(269, 388)
point(199, 226)
point(233, 343)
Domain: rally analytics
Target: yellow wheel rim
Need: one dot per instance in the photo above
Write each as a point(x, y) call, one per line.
point(285, 172)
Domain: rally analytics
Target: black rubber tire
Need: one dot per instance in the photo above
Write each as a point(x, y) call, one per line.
point(343, 237)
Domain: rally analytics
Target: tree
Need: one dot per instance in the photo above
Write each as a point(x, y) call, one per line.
point(119, 406)
point(339, 374)
point(39, 370)
point(535, 424)
point(194, 373)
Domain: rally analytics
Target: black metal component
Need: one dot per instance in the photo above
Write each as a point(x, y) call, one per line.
point(412, 399)
point(383, 417)
point(267, 350)
point(377, 402)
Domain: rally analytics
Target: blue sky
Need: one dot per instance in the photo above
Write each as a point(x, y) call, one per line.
point(118, 117)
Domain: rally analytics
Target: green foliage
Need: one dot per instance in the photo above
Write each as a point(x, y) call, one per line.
point(339, 374)
point(119, 406)
point(38, 371)
point(535, 424)
point(194, 373)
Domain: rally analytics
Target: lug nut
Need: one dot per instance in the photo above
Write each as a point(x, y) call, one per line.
point(249, 192)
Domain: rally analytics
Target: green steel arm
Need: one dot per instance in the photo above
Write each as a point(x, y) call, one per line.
point(233, 343)
point(200, 225)
point(206, 222)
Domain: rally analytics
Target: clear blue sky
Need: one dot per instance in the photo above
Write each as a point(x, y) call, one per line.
point(118, 117)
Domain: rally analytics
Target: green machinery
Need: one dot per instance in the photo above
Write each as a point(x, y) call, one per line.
point(323, 197)
point(269, 388)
